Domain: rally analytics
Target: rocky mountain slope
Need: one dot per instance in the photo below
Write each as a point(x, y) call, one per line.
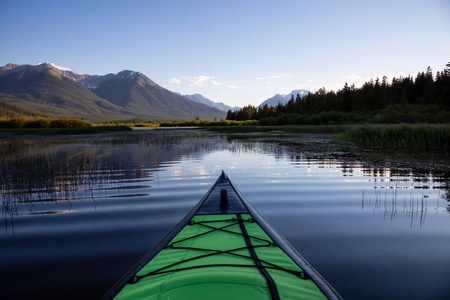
point(124, 96)
point(219, 105)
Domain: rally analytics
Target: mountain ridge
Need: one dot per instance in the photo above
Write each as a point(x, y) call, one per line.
point(125, 95)
point(199, 98)
point(283, 98)
point(44, 89)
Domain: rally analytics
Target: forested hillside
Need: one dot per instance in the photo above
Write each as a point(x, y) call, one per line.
point(425, 98)
point(8, 110)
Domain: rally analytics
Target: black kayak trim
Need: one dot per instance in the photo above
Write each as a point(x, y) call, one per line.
point(236, 204)
point(281, 242)
point(270, 283)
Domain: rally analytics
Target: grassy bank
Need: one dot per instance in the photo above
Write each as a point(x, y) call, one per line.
point(36, 122)
point(323, 129)
point(66, 131)
point(48, 126)
point(405, 137)
point(207, 123)
point(410, 137)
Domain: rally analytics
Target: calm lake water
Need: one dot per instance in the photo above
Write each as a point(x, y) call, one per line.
point(78, 212)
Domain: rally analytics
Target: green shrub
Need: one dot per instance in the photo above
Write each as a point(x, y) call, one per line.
point(17, 123)
point(69, 123)
point(38, 123)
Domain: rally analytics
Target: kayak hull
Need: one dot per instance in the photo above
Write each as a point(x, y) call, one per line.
point(223, 249)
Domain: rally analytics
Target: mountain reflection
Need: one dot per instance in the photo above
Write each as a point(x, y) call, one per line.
point(38, 173)
point(68, 169)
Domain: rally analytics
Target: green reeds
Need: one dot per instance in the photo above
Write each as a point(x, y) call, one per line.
point(204, 123)
point(410, 137)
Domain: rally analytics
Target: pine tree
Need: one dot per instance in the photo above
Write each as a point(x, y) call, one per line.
point(447, 70)
point(298, 104)
point(290, 106)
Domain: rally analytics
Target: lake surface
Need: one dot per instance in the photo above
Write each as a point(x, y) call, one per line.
point(78, 212)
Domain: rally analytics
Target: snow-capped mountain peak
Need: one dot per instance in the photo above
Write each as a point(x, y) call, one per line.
point(55, 66)
point(284, 98)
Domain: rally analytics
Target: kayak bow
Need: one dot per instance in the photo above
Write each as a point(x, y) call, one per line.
point(223, 249)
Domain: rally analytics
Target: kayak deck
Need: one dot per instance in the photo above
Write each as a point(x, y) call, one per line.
point(223, 249)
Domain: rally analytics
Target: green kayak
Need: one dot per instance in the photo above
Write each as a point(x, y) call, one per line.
point(223, 249)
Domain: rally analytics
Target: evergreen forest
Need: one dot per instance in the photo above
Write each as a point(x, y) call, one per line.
point(423, 99)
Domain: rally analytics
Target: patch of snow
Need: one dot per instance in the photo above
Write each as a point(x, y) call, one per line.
point(88, 85)
point(61, 68)
point(55, 66)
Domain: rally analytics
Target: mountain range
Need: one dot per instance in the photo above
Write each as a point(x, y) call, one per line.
point(273, 101)
point(127, 95)
point(219, 105)
point(283, 99)
point(51, 91)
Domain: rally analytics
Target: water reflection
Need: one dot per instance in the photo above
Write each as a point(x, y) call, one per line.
point(399, 201)
point(48, 171)
point(37, 174)
point(91, 200)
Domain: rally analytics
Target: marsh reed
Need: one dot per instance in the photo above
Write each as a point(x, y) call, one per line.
point(408, 137)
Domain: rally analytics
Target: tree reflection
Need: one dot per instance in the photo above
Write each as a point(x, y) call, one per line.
point(37, 173)
point(379, 165)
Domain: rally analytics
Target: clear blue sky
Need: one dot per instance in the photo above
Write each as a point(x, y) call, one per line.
point(238, 52)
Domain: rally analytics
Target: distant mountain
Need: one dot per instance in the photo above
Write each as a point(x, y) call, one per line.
point(140, 95)
point(127, 95)
point(219, 105)
point(283, 99)
point(45, 89)
point(90, 82)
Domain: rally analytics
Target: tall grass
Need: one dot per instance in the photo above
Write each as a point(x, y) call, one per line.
point(323, 118)
point(411, 137)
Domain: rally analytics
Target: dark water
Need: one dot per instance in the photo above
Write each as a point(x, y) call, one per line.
point(79, 212)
